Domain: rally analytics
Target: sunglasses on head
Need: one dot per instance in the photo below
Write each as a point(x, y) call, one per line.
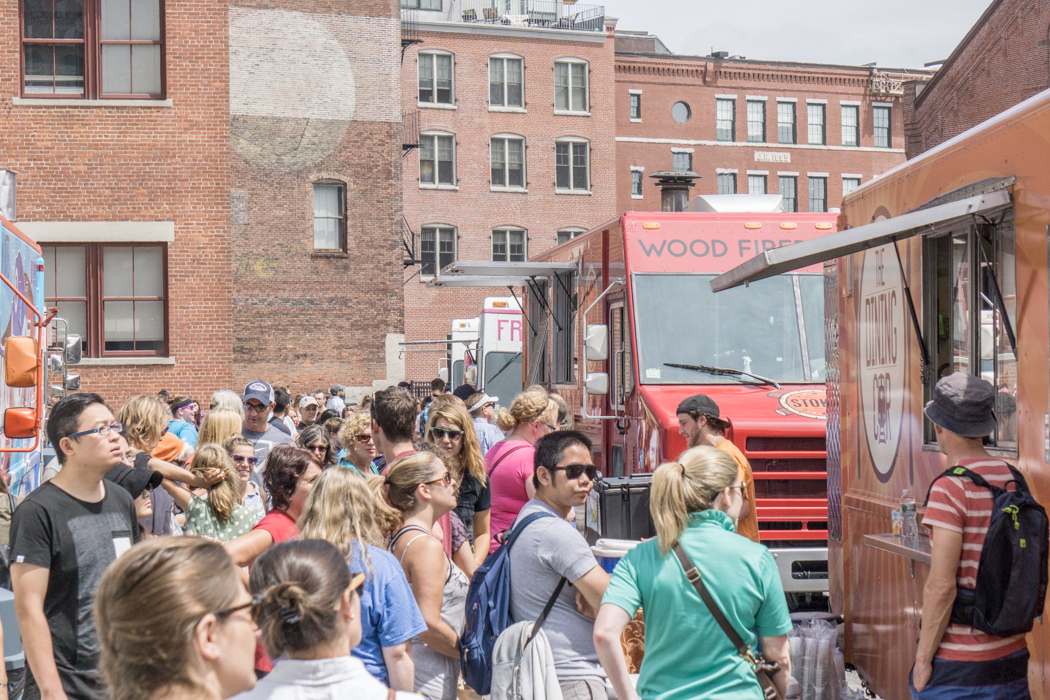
point(442, 433)
point(575, 471)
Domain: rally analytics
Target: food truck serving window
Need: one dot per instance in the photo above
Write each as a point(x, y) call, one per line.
point(970, 298)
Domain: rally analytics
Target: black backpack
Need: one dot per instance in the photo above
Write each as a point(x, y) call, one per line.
point(1012, 573)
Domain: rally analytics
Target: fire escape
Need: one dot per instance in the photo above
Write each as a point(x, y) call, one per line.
point(409, 136)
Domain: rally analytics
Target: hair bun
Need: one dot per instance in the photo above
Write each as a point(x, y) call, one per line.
point(288, 599)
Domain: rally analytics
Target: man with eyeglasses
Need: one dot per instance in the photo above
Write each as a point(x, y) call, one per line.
point(258, 402)
point(63, 536)
point(551, 549)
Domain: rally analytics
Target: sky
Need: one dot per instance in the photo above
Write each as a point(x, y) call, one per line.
point(893, 33)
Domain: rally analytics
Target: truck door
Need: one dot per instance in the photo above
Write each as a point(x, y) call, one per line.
point(622, 384)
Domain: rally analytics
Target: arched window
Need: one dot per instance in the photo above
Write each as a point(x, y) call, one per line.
point(507, 162)
point(436, 78)
point(506, 82)
point(437, 159)
point(571, 79)
point(572, 164)
point(329, 215)
point(509, 244)
point(437, 248)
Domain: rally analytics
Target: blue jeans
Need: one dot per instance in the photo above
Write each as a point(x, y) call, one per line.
point(999, 679)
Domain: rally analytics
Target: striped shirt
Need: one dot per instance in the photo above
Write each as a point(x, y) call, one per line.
point(959, 505)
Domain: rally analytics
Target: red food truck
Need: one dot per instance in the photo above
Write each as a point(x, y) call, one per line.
point(941, 266)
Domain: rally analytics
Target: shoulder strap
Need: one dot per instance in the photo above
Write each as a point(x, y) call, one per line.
point(503, 456)
point(693, 575)
point(401, 533)
point(966, 473)
point(546, 609)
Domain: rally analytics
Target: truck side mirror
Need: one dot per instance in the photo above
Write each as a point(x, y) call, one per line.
point(21, 361)
point(20, 423)
point(597, 383)
point(596, 343)
point(73, 349)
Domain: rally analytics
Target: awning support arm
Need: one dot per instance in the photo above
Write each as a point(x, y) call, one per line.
point(924, 350)
point(522, 309)
point(546, 307)
point(1007, 325)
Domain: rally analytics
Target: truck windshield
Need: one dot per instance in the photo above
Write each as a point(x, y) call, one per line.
point(679, 320)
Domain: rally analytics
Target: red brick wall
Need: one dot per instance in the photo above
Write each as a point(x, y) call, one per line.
point(1003, 60)
point(143, 164)
point(474, 209)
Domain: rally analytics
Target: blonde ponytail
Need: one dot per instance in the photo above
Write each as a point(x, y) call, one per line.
point(688, 486)
point(530, 405)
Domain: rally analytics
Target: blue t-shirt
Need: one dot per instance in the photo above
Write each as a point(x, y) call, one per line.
point(389, 613)
point(183, 431)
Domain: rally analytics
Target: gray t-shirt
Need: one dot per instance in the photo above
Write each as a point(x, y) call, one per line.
point(263, 443)
point(546, 550)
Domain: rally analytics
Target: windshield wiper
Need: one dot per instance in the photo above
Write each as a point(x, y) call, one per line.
point(723, 371)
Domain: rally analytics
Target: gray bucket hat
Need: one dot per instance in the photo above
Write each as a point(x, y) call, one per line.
point(963, 404)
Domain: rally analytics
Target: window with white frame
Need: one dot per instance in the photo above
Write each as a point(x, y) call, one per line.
point(636, 106)
point(437, 249)
point(507, 159)
point(789, 192)
point(572, 165)
point(570, 86)
point(849, 184)
point(850, 125)
point(437, 159)
point(881, 125)
point(421, 4)
point(756, 121)
point(785, 122)
point(681, 160)
point(818, 194)
point(725, 120)
point(435, 78)
point(815, 118)
point(329, 215)
point(506, 81)
point(636, 183)
point(509, 244)
point(567, 234)
point(726, 183)
point(756, 184)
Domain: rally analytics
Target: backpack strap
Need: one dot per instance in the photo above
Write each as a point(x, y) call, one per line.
point(972, 476)
point(546, 610)
point(508, 540)
point(503, 456)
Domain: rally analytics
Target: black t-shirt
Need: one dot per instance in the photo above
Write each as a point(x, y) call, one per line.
point(76, 540)
point(473, 497)
point(280, 425)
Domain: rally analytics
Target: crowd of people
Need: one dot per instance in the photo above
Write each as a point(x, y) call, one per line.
point(261, 546)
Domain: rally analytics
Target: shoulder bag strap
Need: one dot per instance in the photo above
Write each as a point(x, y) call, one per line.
point(546, 609)
point(503, 456)
point(693, 575)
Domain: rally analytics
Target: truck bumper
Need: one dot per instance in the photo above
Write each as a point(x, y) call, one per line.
point(802, 569)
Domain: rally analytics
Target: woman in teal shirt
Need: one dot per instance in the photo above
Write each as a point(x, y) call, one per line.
point(696, 501)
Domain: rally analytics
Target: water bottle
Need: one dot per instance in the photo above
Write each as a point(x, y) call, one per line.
point(909, 527)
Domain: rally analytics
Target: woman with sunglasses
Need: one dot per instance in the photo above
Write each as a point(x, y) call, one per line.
point(242, 454)
point(422, 489)
point(696, 503)
point(308, 606)
point(314, 439)
point(219, 513)
point(451, 429)
point(359, 449)
point(173, 622)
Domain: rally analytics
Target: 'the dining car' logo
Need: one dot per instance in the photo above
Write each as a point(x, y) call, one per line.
point(811, 403)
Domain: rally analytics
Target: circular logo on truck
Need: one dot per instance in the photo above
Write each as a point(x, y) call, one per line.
point(811, 403)
point(881, 350)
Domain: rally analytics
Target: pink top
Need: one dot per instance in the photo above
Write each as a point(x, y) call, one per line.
point(508, 483)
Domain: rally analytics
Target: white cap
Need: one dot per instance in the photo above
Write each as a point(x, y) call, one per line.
point(482, 402)
point(307, 400)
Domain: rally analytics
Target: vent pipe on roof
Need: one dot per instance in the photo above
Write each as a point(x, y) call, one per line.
point(674, 188)
point(7, 194)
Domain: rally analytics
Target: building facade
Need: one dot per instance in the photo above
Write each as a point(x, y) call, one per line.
point(807, 132)
point(515, 148)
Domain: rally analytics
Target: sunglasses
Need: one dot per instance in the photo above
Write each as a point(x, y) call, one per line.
point(364, 437)
point(256, 408)
point(446, 479)
point(241, 459)
point(442, 433)
point(253, 603)
point(575, 471)
point(317, 448)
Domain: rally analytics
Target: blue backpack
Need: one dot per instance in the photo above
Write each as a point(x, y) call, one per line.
point(488, 610)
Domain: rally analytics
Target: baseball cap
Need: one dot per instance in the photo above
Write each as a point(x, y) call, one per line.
point(335, 389)
point(482, 400)
point(963, 404)
point(133, 480)
point(307, 400)
point(464, 391)
point(258, 390)
point(699, 403)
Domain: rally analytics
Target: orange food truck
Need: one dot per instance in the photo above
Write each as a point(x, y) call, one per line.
point(940, 265)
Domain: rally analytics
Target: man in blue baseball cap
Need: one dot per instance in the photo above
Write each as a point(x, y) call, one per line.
point(258, 402)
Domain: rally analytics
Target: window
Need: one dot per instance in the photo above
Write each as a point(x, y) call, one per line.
point(636, 107)
point(572, 165)
point(570, 87)
point(567, 234)
point(756, 184)
point(681, 160)
point(818, 194)
point(437, 159)
point(507, 154)
point(508, 245)
point(681, 112)
point(817, 134)
point(421, 4)
point(725, 120)
point(785, 122)
point(563, 312)
point(849, 184)
point(789, 191)
point(437, 247)
point(970, 288)
point(329, 215)
point(636, 183)
point(113, 296)
point(756, 121)
point(850, 125)
point(506, 80)
point(121, 55)
point(881, 123)
point(726, 183)
point(435, 78)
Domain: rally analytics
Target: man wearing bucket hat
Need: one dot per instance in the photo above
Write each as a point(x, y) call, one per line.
point(955, 660)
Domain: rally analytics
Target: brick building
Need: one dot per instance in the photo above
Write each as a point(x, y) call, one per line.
point(213, 207)
point(1004, 59)
point(516, 119)
point(808, 132)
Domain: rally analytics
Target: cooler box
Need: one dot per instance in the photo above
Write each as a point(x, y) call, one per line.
point(619, 508)
point(608, 552)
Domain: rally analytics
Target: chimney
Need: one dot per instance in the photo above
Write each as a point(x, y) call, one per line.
point(7, 194)
point(674, 188)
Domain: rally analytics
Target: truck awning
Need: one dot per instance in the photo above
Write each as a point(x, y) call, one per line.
point(507, 269)
point(836, 245)
point(447, 280)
